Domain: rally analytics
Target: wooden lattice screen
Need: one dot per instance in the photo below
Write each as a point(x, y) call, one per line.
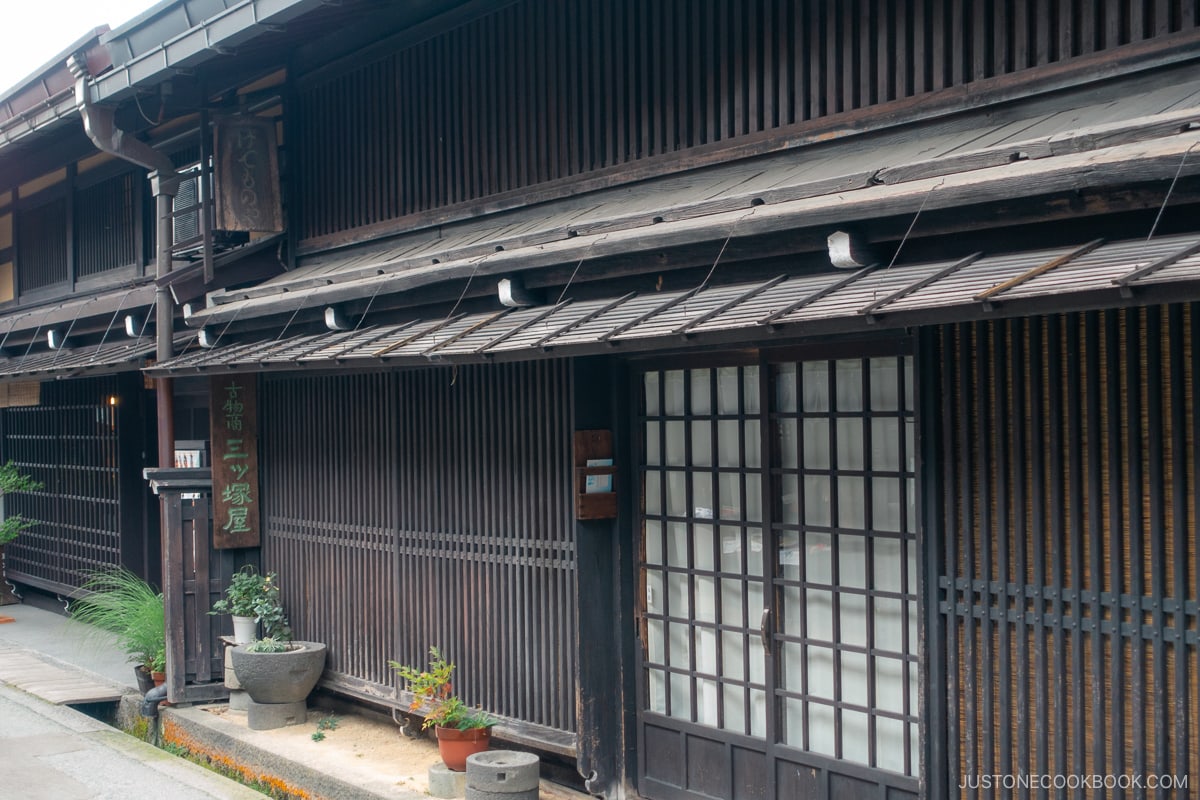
point(1068, 589)
point(431, 507)
point(68, 442)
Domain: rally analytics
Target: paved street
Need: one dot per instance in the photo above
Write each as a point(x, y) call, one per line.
point(50, 752)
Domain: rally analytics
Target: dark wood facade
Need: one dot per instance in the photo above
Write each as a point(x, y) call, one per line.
point(83, 442)
point(1064, 601)
point(864, 559)
point(431, 508)
point(565, 95)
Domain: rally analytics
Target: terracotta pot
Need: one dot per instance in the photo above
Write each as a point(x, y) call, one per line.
point(159, 678)
point(455, 746)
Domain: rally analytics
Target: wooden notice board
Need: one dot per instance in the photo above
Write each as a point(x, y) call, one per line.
point(233, 403)
point(247, 175)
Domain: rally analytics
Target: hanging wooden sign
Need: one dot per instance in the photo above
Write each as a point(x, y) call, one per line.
point(233, 414)
point(246, 175)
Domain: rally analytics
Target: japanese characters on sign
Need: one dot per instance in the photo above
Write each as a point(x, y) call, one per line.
point(247, 175)
point(234, 423)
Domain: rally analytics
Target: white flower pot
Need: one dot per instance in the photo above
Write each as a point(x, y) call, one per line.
point(245, 629)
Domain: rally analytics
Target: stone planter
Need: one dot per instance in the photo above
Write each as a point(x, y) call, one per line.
point(285, 677)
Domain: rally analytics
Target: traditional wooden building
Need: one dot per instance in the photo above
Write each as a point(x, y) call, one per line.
point(755, 399)
point(74, 250)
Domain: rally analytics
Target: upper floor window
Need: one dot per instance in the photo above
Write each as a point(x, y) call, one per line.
point(65, 228)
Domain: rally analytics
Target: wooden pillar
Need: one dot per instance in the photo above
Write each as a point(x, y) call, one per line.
point(604, 583)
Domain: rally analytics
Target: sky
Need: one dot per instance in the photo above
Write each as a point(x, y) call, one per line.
point(34, 31)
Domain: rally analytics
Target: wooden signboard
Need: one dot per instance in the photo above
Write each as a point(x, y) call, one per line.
point(233, 403)
point(246, 175)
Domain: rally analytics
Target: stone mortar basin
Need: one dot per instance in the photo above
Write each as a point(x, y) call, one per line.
point(285, 677)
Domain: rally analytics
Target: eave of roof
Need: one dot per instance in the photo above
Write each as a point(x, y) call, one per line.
point(973, 286)
point(109, 302)
point(106, 358)
point(47, 94)
point(185, 49)
point(1159, 159)
point(1133, 130)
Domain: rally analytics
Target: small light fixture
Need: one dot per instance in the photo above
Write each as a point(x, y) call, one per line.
point(56, 339)
point(513, 293)
point(335, 319)
point(135, 326)
point(849, 250)
point(112, 400)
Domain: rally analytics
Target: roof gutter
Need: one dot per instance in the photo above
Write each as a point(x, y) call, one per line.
point(214, 36)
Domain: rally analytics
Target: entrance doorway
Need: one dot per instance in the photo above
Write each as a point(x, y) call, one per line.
point(778, 593)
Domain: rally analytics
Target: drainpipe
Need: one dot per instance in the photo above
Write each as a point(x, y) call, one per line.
point(99, 124)
point(101, 128)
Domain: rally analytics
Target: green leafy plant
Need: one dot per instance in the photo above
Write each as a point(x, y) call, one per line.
point(251, 594)
point(11, 480)
point(433, 695)
point(121, 603)
point(328, 723)
point(269, 644)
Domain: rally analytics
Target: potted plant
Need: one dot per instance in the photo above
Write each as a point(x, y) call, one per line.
point(273, 669)
point(119, 602)
point(461, 730)
point(11, 480)
point(253, 599)
point(278, 670)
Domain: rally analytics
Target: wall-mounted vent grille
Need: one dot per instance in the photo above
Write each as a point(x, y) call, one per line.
point(185, 226)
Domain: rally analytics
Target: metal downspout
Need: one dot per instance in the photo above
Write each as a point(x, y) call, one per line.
point(99, 124)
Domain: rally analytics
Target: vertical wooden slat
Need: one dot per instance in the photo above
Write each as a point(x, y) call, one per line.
point(1157, 531)
point(1136, 567)
point(1093, 393)
point(1075, 537)
point(1177, 410)
point(1001, 410)
point(1115, 452)
point(985, 536)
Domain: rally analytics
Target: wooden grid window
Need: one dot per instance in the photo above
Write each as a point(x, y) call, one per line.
point(813, 521)
point(844, 522)
point(704, 548)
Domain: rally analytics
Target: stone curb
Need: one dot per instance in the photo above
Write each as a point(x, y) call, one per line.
point(195, 728)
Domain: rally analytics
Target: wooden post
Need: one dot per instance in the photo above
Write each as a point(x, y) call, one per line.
point(190, 573)
point(604, 688)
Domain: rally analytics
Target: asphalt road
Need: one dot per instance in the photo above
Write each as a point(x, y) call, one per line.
point(50, 752)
